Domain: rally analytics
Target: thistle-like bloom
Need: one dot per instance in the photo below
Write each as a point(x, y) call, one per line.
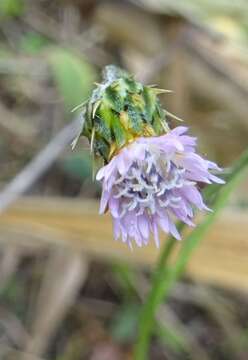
point(151, 183)
point(151, 173)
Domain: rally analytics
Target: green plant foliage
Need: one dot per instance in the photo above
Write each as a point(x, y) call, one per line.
point(73, 75)
point(165, 276)
point(9, 8)
point(171, 339)
point(33, 42)
point(78, 165)
point(124, 325)
point(127, 280)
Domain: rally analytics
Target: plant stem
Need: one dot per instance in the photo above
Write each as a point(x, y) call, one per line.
point(165, 276)
point(147, 319)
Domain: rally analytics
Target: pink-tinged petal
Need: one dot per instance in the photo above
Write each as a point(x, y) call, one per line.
point(143, 226)
point(114, 207)
point(178, 145)
point(124, 234)
point(213, 166)
point(216, 179)
point(194, 196)
point(156, 234)
point(136, 152)
point(156, 178)
point(164, 223)
point(128, 158)
point(182, 216)
point(129, 243)
point(193, 162)
point(138, 239)
point(179, 130)
point(189, 143)
point(106, 171)
point(101, 173)
point(116, 227)
point(174, 231)
point(104, 201)
point(121, 166)
point(108, 183)
point(169, 142)
point(145, 241)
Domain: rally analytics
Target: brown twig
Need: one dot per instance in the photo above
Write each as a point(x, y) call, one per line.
point(31, 173)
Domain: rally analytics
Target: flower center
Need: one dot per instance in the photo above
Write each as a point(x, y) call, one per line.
point(148, 185)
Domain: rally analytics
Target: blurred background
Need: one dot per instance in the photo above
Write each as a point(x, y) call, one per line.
point(68, 291)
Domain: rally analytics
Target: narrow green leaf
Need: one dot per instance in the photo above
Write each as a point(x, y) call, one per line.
point(124, 324)
point(150, 102)
point(78, 165)
point(73, 76)
point(135, 119)
point(32, 42)
point(114, 99)
point(118, 131)
point(171, 339)
point(105, 113)
point(102, 129)
point(101, 147)
point(127, 280)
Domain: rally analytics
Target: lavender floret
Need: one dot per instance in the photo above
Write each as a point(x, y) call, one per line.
point(153, 182)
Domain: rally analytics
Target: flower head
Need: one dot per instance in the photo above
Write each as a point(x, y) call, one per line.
point(120, 110)
point(151, 174)
point(151, 183)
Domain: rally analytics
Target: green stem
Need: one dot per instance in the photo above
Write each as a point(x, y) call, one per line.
point(146, 320)
point(166, 252)
point(165, 276)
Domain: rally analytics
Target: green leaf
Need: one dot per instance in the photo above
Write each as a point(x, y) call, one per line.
point(105, 113)
point(78, 165)
point(127, 281)
point(135, 118)
point(114, 99)
point(132, 85)
point(32, 42)
point(118, 131)
point(102, 130)
point(11, 8)
point(73, 75)
point(150, 103)
point(101, 147)
point(124, 325)
point(171, 338)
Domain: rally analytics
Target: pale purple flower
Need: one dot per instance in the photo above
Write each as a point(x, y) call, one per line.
point(151, 183)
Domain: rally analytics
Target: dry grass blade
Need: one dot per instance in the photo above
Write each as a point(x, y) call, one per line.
point(9, 262)
point(219, 307)
point(13, 328)
point(39, 164)
point(65, 274)
point(170, 319)
point(22, 65)
point(220, 260)
point(8, 353)
point(12, 125)
point(206, 52)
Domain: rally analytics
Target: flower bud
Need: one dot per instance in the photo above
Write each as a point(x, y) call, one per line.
point(119, 111)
